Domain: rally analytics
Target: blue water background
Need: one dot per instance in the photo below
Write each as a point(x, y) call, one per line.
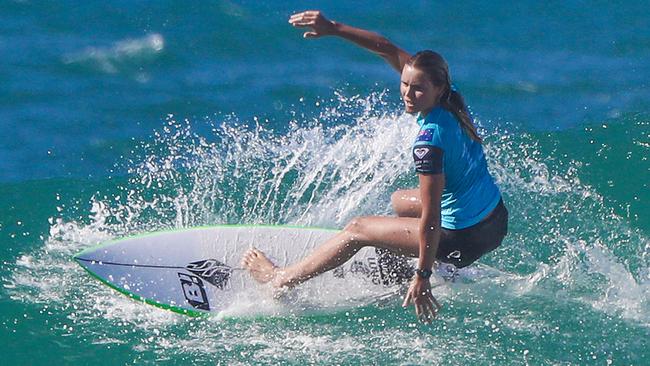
point(537, 66)
point(90, 91)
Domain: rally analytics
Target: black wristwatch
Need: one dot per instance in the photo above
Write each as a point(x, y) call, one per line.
point(424, 273)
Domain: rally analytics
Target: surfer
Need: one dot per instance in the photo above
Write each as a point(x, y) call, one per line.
point(455, 216)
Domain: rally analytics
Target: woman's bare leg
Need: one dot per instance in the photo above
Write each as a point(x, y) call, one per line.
point(399, 234)
point(407, 203)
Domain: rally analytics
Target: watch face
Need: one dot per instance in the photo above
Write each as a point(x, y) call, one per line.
point(424, 273)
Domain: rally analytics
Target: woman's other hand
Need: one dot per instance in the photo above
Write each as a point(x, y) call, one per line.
point(314, 19)
point(419, 294)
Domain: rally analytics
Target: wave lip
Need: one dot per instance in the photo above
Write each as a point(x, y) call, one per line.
point(120, 56)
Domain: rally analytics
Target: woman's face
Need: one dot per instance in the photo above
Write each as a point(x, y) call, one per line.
point(418, 93)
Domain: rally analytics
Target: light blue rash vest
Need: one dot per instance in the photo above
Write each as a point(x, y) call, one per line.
point(442, 146)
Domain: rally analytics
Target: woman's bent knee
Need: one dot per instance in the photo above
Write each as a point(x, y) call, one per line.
point(359, 230)
point(406, 203)
point(357, 225)
point(395, 200)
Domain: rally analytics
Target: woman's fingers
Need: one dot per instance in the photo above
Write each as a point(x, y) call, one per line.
point(314, 19)
point(294, 20)
point(438, 306)
point(305, 23)
point(431, 310)
point(407, 299)
point(433, 306)
point(425, 310)
point(426, 306)
point(308, 13)
point(418, 310)
point(302, 17)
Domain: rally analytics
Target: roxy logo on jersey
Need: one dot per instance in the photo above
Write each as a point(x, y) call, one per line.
point(428, 159)
point(420, 152)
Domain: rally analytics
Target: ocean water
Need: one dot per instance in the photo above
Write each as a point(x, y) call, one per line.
point(126, 117)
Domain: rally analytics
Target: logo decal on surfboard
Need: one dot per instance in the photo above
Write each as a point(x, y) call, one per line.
point(194, 291)
point(213, 271)
point(393, 268)
point(385, 269)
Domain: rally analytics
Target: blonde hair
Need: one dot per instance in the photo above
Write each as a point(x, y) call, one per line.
point(435, 66)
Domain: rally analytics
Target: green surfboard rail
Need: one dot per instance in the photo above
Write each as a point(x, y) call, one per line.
point(175, 309)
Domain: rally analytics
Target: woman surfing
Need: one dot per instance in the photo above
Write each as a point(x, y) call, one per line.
point(456, 215)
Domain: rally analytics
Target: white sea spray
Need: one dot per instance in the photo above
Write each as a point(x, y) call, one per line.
point(566, 248)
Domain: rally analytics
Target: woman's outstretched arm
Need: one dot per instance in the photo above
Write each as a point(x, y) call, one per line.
point(419, 292)
point(376, 43)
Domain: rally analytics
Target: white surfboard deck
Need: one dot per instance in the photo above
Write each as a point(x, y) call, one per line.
point(197, 271)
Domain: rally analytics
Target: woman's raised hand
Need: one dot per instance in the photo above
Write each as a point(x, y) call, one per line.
point(314, 19)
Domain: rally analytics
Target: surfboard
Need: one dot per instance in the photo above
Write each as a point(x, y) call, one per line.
point(197, 271)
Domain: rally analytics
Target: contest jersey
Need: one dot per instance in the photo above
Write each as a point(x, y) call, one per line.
point(442, 146)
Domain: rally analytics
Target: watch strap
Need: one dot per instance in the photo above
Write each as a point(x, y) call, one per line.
point(424, 273)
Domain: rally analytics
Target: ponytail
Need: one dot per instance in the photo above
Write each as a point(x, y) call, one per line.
point(453, 101)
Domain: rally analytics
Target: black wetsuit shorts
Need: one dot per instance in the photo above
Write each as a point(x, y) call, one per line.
point(463, 247)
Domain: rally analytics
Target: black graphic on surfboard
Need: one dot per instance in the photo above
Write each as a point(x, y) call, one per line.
point(147, 267)
point(385, 268)
point(213, 271)
point(393, 269)
point(194, 291)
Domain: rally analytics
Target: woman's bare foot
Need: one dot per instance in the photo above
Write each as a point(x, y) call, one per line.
point(259, 266)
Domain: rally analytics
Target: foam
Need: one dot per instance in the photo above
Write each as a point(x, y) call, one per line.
point(119, 57)
point(565, 244)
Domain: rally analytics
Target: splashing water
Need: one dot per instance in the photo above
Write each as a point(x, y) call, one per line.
point(566, 249)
